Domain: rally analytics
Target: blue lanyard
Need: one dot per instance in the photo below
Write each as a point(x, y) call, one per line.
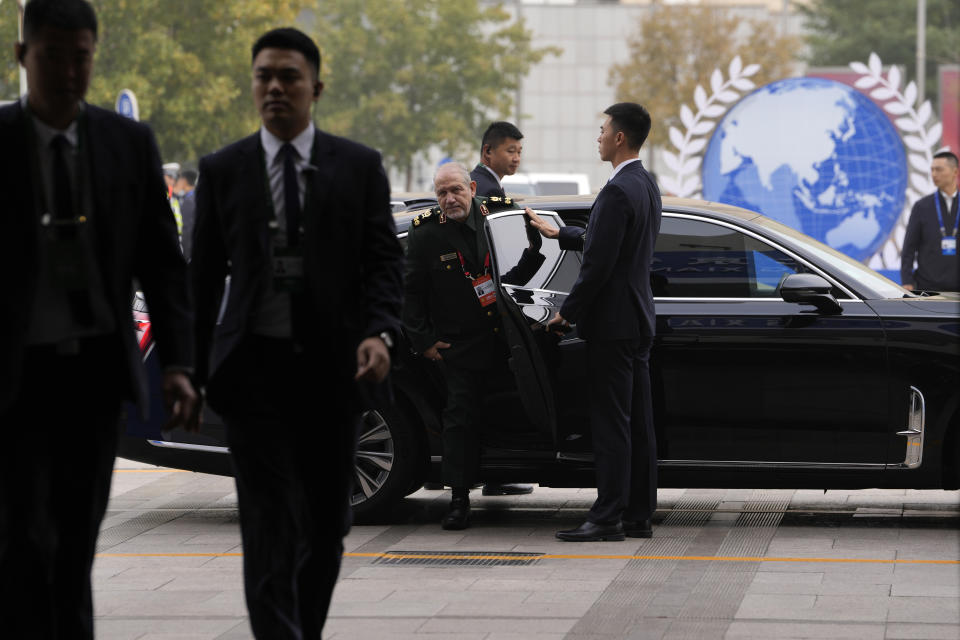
point(956, 223)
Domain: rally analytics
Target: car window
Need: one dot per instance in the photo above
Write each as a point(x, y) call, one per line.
point(700, 259)
point(560, 268)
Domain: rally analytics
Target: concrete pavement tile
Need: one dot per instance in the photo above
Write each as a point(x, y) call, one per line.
point(701, 629)
point(749, 629)
point(924, 609)
point(921, 631)
point(812, 566)
point(563, 596)
point(136, 627)
point(385, 609)
point(774, 606)
point(241, 631)
point(369, 627)
point(773, 577)
point(492, 600)
point(947, 574)
point(524, 626)
point(923, 589)
point(523, 636)
point(863, 588)
point(528, 610)
point(785, 546)
point(571, 586)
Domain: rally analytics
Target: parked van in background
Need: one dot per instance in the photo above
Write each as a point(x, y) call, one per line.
point(547, 184)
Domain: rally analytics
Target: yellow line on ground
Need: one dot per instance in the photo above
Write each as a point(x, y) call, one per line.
point(551, 556)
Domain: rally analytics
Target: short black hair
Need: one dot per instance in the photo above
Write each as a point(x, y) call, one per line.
point(949, 155)
point(72, 15)
point(633, 120)
point(190, 176)
point(289, 38)
point(497, 132)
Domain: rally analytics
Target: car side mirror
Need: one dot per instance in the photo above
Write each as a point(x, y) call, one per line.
point(809, 288)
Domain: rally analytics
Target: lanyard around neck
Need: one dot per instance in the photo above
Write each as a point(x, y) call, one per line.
point(956, 222)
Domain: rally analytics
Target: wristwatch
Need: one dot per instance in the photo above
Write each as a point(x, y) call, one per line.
point(387, 339)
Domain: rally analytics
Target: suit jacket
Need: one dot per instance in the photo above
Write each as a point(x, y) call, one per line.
point(136, 237)
point(612, 299)
point(935, 271)
point(352, 258)
point(486, 184)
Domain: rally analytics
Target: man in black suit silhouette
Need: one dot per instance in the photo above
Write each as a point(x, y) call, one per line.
point(301, 222)
point(612, 305)
point(85, 213)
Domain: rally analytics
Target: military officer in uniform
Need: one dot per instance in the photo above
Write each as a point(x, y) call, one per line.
point(450, 315)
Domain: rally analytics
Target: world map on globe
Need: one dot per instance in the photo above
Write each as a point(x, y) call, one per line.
point(816, 155)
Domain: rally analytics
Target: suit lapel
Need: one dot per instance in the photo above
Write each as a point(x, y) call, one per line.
point(319, 177)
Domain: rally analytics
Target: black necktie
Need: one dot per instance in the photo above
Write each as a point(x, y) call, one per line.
point(291, 194)
point(77, 298)
point(62, 187)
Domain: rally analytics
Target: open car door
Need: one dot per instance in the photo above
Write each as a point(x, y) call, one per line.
point(522, 275)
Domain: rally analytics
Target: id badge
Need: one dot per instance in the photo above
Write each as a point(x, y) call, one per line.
point(67, 263)
point(287, 270)
point(948, 245)
point(485, 290)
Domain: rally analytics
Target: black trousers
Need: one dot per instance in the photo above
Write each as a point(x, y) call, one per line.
point(621, 420)
point(56, 464)
point(292, 439)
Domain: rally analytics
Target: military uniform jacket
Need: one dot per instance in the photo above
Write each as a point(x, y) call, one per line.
point(439, 300)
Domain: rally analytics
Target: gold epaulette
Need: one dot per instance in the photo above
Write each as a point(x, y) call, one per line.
point(426, 215)
point(496, 203)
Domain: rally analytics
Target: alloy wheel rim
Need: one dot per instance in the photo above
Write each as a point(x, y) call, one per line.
point(374, 458)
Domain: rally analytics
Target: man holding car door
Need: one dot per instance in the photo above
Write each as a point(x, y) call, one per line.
point(612, 305)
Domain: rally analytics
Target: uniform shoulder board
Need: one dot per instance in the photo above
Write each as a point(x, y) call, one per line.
point(425, 216)
point(496, 203)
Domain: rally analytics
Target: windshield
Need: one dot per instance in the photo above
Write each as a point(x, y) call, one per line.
point(873, 285)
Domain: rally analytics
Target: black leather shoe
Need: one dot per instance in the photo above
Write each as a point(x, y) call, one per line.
point(511, 489)
point(458, 515)
point(638, 528)
point(590, 532)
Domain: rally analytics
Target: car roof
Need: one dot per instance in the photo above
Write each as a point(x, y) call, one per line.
point(670, 204)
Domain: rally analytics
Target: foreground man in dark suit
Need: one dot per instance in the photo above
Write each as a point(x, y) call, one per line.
point(84, 213)
point(500, 150)
point(300, 220)
point(612, 305)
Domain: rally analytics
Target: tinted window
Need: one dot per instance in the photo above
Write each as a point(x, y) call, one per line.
point(559, 269)
point(698, 259)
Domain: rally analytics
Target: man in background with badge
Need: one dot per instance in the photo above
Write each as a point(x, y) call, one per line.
point(450, 315)
point(931, 237)
point(301, 222)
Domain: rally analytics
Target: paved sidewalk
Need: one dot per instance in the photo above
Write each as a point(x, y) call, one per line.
point(722, 564)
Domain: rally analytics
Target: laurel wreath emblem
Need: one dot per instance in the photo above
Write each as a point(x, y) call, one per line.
point(689, 144)
point(920, 141)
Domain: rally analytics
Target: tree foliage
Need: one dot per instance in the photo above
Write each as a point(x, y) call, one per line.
point(404, 75)
point(842, 31)
point(675, 48)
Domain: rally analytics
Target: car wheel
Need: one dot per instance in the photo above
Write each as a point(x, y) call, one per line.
point(386, 463)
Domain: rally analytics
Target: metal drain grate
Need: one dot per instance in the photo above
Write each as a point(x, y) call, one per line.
point(458, 558)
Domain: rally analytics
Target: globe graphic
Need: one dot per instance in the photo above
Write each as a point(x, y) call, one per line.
point(816, 155)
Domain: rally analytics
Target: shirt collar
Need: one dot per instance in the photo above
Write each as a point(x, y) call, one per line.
point(302, 142)
point(620, 166)
point(493, 173)
point(947, 196)
point(46, 133)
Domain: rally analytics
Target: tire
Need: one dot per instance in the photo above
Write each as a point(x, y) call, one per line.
point(386, 465)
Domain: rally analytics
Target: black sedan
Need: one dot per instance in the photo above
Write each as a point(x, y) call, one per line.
point(778, 362)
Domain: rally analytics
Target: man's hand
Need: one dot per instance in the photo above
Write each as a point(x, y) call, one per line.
point(908, 287)
point(558, 324)
point(181, 401)
point(546, 229)
point(433, 353)
point(373, 360)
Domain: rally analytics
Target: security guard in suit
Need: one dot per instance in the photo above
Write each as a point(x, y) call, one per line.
point(450, 315)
